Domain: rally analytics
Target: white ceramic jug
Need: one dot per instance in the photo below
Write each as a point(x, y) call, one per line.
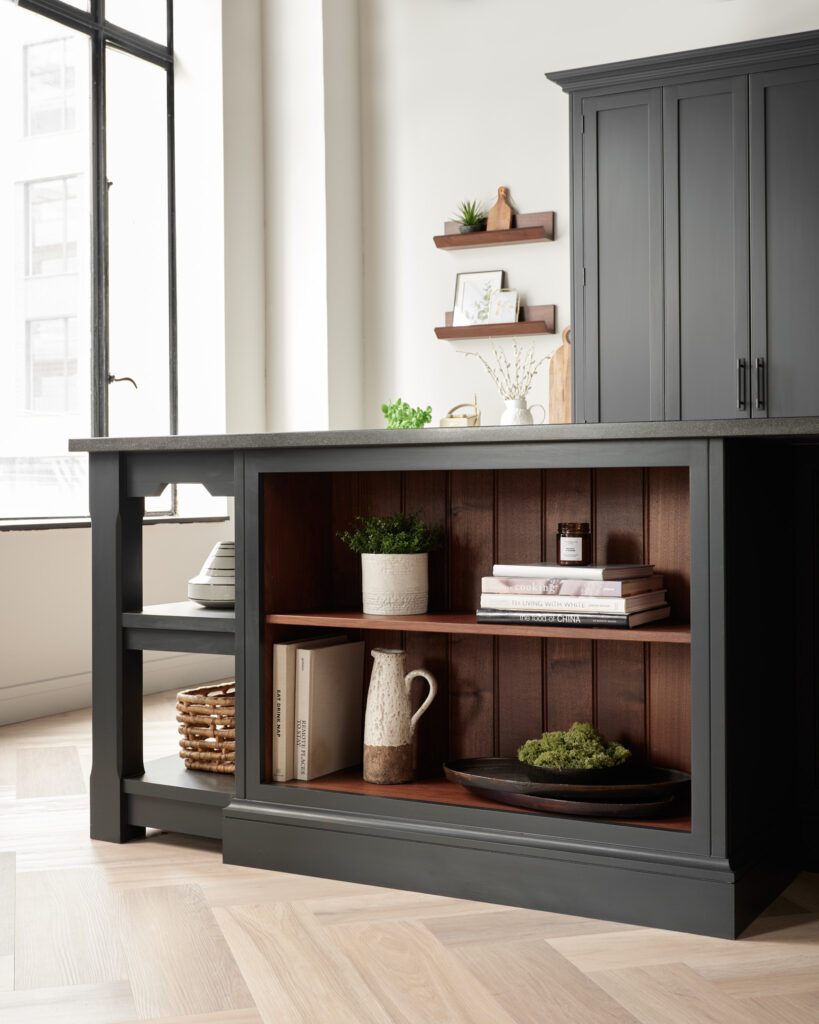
point(389, 724)
point(517, 414)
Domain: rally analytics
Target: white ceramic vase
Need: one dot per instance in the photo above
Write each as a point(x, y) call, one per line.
point(215, 586)
point(517, 413)
point(389, 723)
point(394, 584)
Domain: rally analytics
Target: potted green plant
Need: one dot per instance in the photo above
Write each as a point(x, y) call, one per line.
point(471, 216)
point(394, 562)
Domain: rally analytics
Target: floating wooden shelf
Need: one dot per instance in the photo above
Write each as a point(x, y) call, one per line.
point(440, 791)
point(534, 320)
point(465, 623)
point(527, 227)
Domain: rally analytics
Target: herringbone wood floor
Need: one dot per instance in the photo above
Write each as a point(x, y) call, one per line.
point(160, 930)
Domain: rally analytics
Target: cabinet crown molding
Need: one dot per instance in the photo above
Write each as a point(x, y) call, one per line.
point(747, 57)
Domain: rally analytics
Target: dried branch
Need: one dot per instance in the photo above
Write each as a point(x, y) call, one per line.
point(512, 379)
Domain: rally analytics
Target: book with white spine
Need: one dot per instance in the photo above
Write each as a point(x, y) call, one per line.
point(560, 603)
point(574, 572)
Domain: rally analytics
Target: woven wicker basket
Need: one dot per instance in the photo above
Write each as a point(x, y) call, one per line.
point(207, 724)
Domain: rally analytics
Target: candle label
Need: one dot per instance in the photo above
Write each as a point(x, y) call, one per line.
point(571, 549)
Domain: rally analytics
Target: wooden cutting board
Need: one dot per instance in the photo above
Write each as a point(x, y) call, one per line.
point(560, 382)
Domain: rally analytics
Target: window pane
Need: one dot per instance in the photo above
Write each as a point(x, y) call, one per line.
point(138, 246)
point(51, 79)
point(147, 18)
point(45, 279)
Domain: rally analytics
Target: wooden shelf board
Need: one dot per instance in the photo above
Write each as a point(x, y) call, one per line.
point(479, 239)
point(516, 330)
point(464, 623)
point(168, 777)
point(440, 791)
point(528, 227)
point(181, 615)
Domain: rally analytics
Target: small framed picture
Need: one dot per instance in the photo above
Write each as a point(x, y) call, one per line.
point(472, 294)
point(504, 306)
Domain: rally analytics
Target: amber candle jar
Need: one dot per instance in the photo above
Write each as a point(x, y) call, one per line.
point(573, 543)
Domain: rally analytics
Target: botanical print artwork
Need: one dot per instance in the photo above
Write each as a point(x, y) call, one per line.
point(473, 293)
point(503, 306)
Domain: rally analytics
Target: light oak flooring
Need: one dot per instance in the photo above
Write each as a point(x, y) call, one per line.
point(160, 930)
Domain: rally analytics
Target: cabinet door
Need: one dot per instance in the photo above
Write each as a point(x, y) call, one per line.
point(705, 170)
point(622, 344)
point(785, 242)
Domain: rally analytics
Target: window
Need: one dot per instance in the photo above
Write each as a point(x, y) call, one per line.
point(51, 360)
point(51, 78)
point(52, 210)
point(87, 244)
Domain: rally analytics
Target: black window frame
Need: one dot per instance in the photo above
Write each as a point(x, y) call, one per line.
point(102, 35)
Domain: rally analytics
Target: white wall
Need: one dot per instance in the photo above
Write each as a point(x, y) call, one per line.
point(45, 609)
point(454, 103)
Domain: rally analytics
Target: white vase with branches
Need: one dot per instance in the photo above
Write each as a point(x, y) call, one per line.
point(513, 378)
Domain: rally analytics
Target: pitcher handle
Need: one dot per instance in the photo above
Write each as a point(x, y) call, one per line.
point(433, 689)
point(542, 408)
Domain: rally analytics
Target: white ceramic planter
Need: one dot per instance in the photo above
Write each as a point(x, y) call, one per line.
point(395, 584)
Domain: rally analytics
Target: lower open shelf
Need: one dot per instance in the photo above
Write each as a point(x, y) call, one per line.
point(440, 791)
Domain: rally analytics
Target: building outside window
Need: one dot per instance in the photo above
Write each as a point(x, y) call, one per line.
point(52, 226)
point(51, 362)
point(50, 89)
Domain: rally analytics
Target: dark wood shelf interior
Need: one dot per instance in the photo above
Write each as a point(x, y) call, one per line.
point(526, 228)
point(439, 791)
point(497, 685)
point(464, 624)
point(533, 320)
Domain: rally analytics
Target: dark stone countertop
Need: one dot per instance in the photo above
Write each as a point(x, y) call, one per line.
point(794, 427)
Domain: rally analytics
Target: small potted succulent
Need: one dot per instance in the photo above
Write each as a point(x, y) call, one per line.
point(471, 216)
point(394, 562)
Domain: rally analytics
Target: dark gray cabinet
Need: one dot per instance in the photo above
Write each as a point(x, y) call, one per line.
point(696, 234)
point(785, 241)
point(623, 243)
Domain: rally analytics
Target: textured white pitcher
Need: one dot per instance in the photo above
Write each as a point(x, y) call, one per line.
point(394, 584)
point(389, 723)
point(516, 413)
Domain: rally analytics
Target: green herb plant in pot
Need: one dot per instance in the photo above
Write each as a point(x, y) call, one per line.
point(471, 216)
point(394, 562)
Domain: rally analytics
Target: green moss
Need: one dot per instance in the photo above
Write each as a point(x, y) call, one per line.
point(582, 746)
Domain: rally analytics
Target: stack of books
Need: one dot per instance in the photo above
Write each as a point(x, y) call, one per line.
point(318, 688)
point(540, 594)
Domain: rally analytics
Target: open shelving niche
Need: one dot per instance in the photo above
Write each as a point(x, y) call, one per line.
point(498, 685)
point(160, 795)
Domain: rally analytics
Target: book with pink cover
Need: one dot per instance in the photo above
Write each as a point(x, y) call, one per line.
point(569, 588)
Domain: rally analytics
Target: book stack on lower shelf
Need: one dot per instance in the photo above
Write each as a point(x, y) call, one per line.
point(612, 596)
point(317, 707)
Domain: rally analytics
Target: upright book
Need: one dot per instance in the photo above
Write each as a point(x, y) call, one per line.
point(329, 702)
point(284, 703)
point(574, 572)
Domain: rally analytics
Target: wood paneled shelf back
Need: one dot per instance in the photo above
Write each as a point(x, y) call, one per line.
point(526, 227)
point(533, 320)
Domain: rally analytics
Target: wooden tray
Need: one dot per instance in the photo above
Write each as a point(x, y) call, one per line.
point(508, 775)
point(651, 808)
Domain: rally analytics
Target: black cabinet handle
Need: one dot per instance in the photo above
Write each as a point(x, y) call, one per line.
point(761, 373)
point(741, 385)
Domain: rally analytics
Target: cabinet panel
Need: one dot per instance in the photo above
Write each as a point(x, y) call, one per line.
point(785, 241)
point(705, 151)
point(623, 254)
